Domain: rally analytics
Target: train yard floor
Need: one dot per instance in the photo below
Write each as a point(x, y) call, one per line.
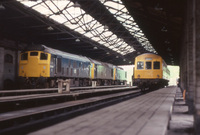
point(148, 114)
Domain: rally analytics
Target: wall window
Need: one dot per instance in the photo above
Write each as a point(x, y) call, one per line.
point(140, 65)
point(148, 65)
point(24, 56)
point(156, 65)
point(8, 58)
point(43, 56)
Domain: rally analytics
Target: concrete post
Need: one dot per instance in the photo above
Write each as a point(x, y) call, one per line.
point(60, 86)
point(67, 85)
point(94, 83)
point(62, 82)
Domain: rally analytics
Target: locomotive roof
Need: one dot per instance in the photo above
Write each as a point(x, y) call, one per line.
point(108, 64)
point(149, 54)
point(68, 55)
point(95, 61)
point(119, 68)
point(65, 54)
point(153, 54)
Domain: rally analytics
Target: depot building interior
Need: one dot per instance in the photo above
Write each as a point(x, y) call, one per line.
point(112, 31)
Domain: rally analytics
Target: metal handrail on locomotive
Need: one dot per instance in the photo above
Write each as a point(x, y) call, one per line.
point(150, 71)
point(41, 66)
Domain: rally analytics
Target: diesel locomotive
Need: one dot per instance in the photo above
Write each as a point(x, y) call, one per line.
point(41, 66)
point(150, 71)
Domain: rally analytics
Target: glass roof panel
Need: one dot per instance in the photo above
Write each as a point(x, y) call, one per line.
point(73, 17)
point(117, 8)
point(95, 38)
point(113, 11)
point(30, 3)
point(44, 10)
point(60, 18)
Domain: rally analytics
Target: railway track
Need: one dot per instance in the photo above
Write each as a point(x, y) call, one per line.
point(11, 103)
point(48, 90)
point(28, 120)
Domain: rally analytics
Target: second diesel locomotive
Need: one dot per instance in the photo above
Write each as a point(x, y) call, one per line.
point(41, 66)
point(150, 71)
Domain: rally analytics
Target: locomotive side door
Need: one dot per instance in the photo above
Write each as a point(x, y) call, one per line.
point(53, 67)
point(56, 64)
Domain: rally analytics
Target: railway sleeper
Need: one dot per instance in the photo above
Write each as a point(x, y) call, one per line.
point(35, 120)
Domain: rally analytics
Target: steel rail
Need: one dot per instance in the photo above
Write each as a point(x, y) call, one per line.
point(48, 90)
point(24, 121)
point(12, 103)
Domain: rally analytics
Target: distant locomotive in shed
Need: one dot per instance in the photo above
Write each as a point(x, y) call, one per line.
point(150, 71)
point(41, 66)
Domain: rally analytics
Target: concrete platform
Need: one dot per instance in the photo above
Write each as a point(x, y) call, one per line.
point(148, 114)
point(181, 122)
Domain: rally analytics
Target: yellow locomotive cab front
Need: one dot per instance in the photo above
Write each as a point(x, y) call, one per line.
point(148, 67)
point(150, 70)
point(34, 64)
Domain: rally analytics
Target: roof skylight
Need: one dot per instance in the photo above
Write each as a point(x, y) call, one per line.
point(120, 12)
point(73, 17)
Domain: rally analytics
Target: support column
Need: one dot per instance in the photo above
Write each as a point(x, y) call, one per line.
point(183, 62)
point(1, 67)
point(190, 54)
point(196, 12)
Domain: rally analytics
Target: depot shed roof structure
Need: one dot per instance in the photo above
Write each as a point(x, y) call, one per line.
point(113, 31)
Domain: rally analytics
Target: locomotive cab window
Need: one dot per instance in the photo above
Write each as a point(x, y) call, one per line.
point(156, 65)
point(43, 56)
point(34, 54)
point(148, 65)
point(140, 65)
point(24, 56)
